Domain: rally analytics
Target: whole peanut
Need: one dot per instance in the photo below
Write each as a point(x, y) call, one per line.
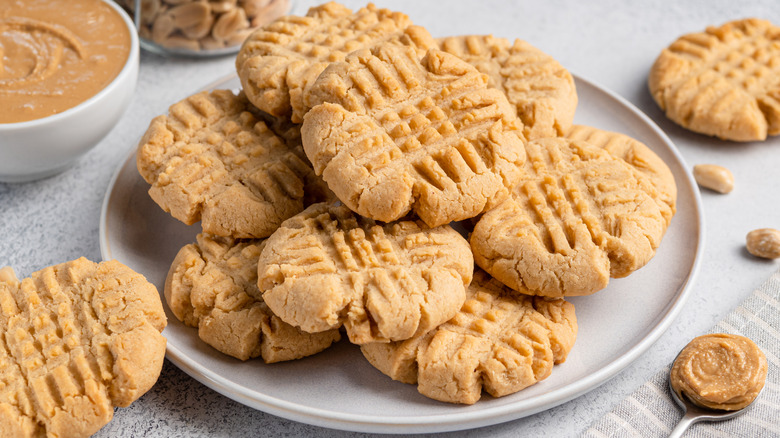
point(190, 14)
point(764, 242)
point(200, 29)
point(714, 177)
point(162, 27)
point(229, 23)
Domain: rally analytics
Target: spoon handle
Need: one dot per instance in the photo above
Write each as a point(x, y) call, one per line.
point(685, 422)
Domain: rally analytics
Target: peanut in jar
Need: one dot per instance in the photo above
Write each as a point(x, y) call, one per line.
point(200, 27)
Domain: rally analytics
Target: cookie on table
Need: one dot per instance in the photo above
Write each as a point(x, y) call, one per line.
point(541, 90)
point(390, 132)
point(211, 159)
point(212, 285)
point(279, 61)
point(78, 339)
point(578, 216)
point(723, 82)
point(329, 267)
point(638, 155)
point(499, 341)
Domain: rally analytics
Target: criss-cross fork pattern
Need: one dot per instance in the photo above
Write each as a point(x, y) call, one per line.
point(371, 277)
point(278, 61)
point(212, 285)
point(210, 149)
point(340, 243)
point(541, 90)
point(577, 217)
point(513, 332)
point(432, 123)
point(59, 336)
point(732, 68)
point(639, 156)
point(498, 341)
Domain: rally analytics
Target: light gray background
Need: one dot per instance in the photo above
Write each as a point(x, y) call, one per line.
point(611, 42)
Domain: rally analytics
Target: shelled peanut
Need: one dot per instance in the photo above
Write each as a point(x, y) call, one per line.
point(197, 25)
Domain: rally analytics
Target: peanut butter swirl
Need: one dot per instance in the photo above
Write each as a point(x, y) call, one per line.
point(720, 371)
point(42, 43)
point(55, 55)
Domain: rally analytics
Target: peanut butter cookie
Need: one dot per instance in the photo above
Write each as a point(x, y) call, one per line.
point(723, 82)
point(78, 339)
point(638, 155)
point(211, 159)
point(541, 90)
point(499, 341)
point(577, 217)
point(390, 132)
point(212, 285)
point(279, 61)
point(328, 267)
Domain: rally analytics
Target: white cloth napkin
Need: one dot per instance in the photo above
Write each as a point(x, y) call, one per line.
point(651, 412)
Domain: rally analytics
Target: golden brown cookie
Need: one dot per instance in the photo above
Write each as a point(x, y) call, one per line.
point(212, 285)
point(638, 155)
point(577, 216)
point(279, 61)
point(329, 267)
point(723, 82)
point(541, 90)
point(499, 341)
point(390, 132)
point(212, 160)
point(78, 339)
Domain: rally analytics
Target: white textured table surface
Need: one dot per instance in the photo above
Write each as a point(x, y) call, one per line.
point(611, 42)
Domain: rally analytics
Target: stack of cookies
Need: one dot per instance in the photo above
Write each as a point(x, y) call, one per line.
point(361, 172)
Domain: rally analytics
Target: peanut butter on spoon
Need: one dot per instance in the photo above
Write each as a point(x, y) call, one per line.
point(720, 371)
point(716, 377)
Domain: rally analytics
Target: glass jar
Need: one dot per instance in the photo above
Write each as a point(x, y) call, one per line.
point(200, 27)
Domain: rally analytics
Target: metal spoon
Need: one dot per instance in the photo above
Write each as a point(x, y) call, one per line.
point(695, 413)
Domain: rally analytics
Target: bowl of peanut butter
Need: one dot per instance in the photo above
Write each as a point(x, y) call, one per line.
point(67, 74)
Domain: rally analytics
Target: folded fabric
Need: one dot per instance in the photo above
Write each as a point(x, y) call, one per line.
point(651, 412)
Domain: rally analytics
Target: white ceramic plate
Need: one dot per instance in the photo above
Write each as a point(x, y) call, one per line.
point(339, 389)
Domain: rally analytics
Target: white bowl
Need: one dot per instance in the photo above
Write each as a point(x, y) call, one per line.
point(43, 147)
